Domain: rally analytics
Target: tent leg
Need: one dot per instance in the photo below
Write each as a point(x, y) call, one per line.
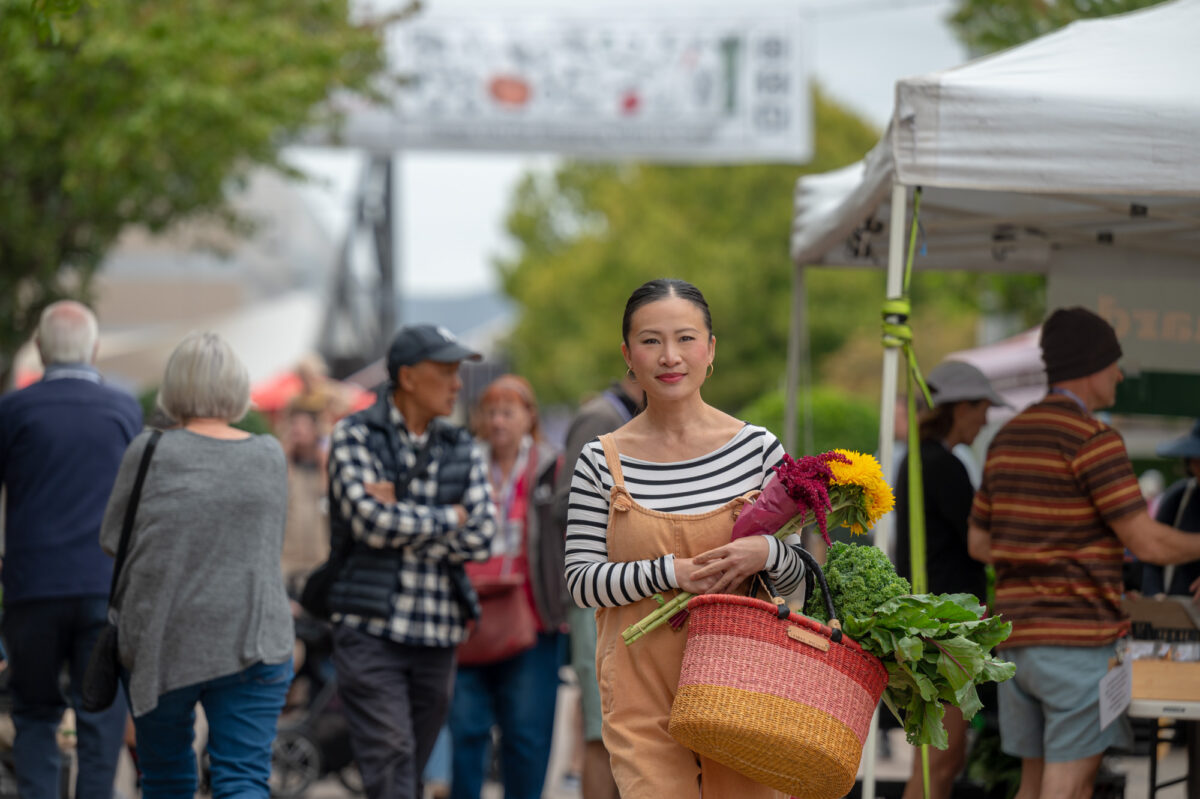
point(887, 427)
point(891, 355)
point(799, 365)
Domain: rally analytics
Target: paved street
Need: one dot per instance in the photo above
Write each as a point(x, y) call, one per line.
point(1172, 763)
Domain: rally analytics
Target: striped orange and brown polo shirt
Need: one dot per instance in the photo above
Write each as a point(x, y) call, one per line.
point(1054, 479)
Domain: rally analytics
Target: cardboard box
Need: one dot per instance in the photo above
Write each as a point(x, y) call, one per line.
point(1166, 679)
point(1170, 619)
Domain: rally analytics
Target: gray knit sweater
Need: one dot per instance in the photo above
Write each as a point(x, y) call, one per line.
point(201, 594)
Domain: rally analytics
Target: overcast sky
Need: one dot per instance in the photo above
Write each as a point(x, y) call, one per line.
point(453, 204)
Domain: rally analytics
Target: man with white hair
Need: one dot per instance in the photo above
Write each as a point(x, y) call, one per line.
point(61, 442)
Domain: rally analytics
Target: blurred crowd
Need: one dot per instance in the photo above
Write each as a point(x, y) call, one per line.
point(215, 531)
point(404, 595)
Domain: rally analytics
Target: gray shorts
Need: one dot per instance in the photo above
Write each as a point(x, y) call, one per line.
point(1051, 708)
point(583, 661)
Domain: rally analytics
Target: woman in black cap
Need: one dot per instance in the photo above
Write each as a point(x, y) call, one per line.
point(1180, 508)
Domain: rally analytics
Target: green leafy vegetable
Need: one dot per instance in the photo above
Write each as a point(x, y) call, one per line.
point(936, 648)
point(860, 578)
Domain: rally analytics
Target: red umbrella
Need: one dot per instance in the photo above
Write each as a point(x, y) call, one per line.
point(25, 377)
point(273, 394)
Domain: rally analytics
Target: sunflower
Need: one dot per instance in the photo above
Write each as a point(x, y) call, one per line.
point(862, 472)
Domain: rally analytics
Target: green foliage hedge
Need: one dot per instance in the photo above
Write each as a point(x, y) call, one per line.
point(840, 420)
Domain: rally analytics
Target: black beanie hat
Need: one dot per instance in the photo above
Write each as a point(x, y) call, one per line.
point(1077, 343)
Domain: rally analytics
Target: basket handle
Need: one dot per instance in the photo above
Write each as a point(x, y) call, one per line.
point(813, 570)
point(781, 608)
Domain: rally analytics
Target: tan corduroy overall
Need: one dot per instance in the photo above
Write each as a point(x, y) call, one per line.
point(638, 682)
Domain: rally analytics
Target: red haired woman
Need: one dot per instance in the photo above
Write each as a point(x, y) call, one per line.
point(508, 668)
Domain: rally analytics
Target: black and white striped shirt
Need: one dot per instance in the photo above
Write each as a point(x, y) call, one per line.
point(692, 486)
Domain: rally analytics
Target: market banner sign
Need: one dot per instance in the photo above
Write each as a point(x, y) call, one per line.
point(681, 89)
point(1156, 315)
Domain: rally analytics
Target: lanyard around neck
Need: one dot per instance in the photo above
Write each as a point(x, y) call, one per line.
point(1065, 392)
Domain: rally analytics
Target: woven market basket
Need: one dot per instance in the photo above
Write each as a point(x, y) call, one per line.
point(776, 699)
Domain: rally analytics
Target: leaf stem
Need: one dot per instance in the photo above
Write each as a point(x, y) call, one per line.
point(942, 649)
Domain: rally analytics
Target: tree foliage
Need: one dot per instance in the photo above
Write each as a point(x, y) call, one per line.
point(588, 234)
point(840, 419)
point(120, 113)
point(989, 25)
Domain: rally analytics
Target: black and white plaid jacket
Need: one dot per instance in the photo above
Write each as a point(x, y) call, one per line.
point(405, 551)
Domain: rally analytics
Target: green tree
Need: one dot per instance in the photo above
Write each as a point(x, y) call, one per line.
point(588, 234)
point(840, 420)
point(985, 26)
point(120, 113)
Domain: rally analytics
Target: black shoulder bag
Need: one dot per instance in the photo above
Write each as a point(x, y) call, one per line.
point(100, 680)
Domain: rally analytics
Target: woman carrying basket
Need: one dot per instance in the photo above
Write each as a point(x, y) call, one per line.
point(651, 511)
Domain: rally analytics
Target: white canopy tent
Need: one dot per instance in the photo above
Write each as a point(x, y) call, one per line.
point(1075, 155)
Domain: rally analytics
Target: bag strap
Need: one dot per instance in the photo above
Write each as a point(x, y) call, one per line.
point(424, 456)
point(781, 608)
point(813, 569)
point(1169, 569)
point(135, 497)
point(529, 478)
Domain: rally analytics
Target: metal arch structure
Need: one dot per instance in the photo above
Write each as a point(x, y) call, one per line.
point(361, 313)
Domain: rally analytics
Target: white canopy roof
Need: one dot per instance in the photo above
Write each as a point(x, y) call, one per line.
point(1080, 144)
point(1073, 153)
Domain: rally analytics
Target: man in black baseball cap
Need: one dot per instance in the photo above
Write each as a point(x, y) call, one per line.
point(422, 365)
point(409, 503)
point(415, 343)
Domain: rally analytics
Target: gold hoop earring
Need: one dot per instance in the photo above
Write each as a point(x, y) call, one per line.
point(629, 373)
point(711, 369)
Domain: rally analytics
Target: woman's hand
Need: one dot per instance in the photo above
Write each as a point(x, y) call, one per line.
point(732, 563)
point(685, 570)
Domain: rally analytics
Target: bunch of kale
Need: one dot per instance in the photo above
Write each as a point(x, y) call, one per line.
point(936, 648)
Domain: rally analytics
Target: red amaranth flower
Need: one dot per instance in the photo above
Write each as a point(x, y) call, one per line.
point(800, 486)
point(807, 481)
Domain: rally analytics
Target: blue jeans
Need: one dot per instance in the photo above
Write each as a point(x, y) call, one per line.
point(42, 636)
point(519, 694)
point(438, 767)
point(241, 709)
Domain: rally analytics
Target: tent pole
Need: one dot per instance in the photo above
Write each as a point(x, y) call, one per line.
point(808, 445)
point(891, 355)
point(798, 356)
point(887, 426)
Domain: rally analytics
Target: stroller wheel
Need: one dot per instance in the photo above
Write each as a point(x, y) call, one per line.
point(351, 779)
point(295, 764)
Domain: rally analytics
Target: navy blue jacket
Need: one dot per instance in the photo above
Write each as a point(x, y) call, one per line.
point(61, 442)
point(1189, 522)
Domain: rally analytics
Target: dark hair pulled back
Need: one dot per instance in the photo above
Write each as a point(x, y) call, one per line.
point(661, 289)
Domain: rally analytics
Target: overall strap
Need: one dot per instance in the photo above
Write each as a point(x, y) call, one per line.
point(135, 497)
point(741, 502)
point(613, 460)
point(1189, 489)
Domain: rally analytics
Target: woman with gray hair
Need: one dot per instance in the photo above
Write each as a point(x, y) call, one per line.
point(202, 611)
